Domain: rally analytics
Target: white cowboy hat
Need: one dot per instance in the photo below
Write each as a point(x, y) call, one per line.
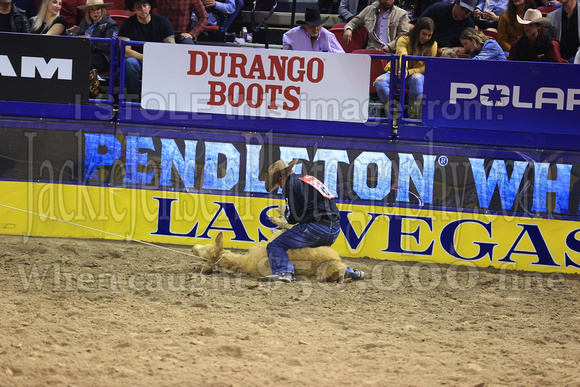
point(275, 171)
point(534, 16)
point(94, 3)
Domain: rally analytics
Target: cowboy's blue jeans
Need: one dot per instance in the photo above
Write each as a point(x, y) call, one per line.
point(301, 235)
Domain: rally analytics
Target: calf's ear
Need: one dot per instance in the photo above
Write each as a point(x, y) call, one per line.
point(219, 240)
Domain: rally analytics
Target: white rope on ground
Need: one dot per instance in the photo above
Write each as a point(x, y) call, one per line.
point(105, 232)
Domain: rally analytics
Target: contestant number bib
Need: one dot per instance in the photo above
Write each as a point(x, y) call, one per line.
point(318, 185)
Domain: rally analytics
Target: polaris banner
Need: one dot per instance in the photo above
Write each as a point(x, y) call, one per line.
point(43, 68)
point(530, 97)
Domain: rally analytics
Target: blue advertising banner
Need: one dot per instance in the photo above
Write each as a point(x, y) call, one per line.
point(503, 96)
point(514, 182)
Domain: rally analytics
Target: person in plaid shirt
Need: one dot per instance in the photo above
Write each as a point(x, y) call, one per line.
point(179, 14)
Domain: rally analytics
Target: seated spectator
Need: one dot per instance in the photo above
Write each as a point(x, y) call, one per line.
point(179, 14)
point(217, 10)
point(535, 45)
point(73, 15)
point(450, 20)
point(310, 35)
point(479, 46)
point(509, 30)
point(48, 20)
point(487, 13)
point(98, 24)
point(350, 8)
point(420, 41)
point(384, 22)
point(566, 29)
point(146, 27)
point(12, 18)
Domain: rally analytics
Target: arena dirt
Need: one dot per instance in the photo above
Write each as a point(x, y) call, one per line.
point(102, 313)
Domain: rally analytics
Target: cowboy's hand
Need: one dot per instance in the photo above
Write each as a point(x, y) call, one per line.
point(185, 35)
point(347, 36)
point(281, 222)
point(477, 13)
point(282, 209)
point(209, 3)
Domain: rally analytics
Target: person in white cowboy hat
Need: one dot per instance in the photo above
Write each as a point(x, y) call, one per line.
point(98, 24)
point(310, 35)
point(309, 205)
point(535, 45)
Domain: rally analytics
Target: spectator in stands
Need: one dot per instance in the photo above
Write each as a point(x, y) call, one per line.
point(12, 18)
point(566, 28)
point(217, 10)
point(48, 20)
point(179, 14)
point(450, 20)
point(509, 30)
point(143, 26)
point(535, 45)
point(479, 46)
point(487, 13)
point(384, 22)
point(73, 15)
point(420, 41)
point(310, 35)
point(349, 8)
point(98, 24)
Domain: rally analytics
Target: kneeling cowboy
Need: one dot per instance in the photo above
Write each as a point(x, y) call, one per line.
point(310, 204)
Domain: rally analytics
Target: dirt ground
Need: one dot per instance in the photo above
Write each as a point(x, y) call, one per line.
point(102, 313)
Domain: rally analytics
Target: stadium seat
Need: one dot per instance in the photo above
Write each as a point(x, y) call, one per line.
point(119, 15)
point(490, 33)
point(547, 10)
point(358, 41)
point(117, 4)
point(377, 66)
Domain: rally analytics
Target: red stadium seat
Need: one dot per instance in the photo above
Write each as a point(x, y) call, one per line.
point(120, 15)
point(117, 4)
point(358, 41)
point(546, 10)
point(377, 66)
point(490, 33)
